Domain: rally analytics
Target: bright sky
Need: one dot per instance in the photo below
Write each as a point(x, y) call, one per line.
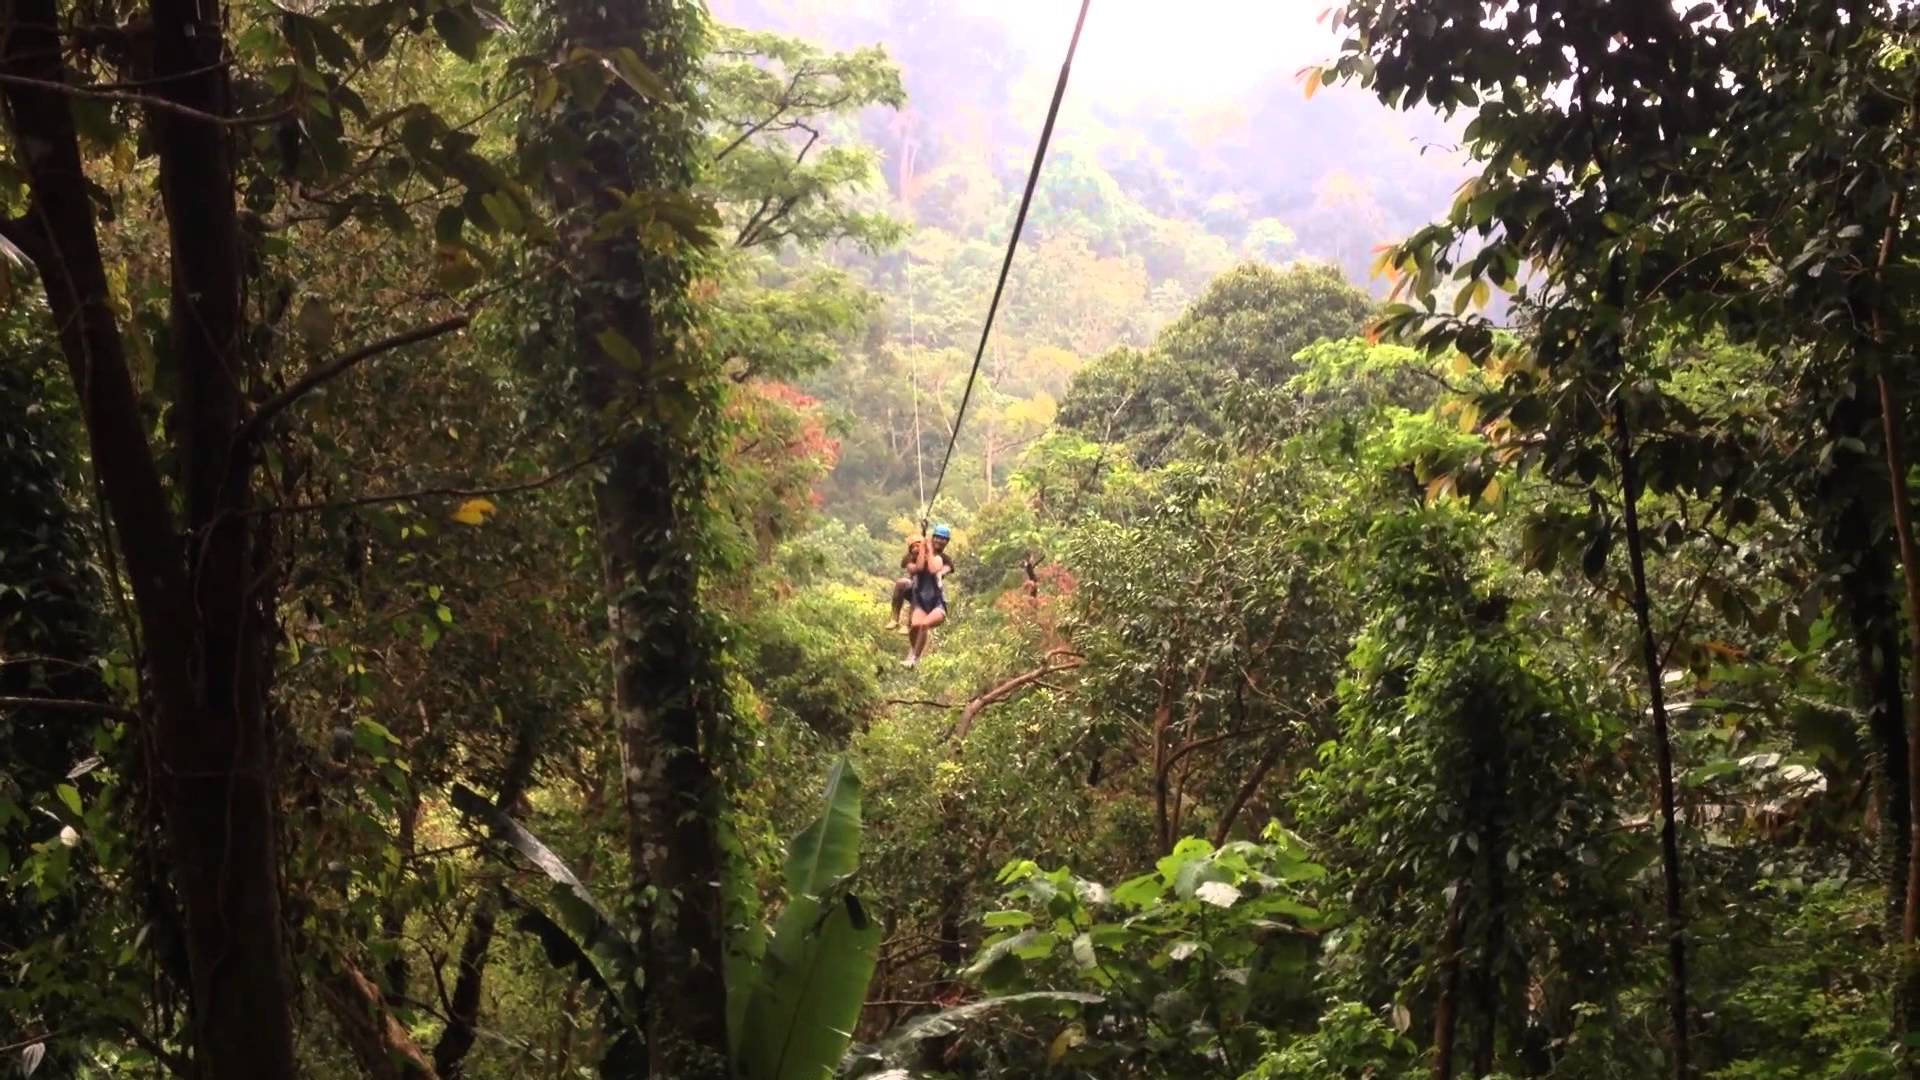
point(1196, 51)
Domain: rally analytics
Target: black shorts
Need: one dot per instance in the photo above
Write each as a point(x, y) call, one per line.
point(927, 597)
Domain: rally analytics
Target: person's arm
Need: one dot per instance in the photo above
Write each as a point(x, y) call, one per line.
point(918, 560)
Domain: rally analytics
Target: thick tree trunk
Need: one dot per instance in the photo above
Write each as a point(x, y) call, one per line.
point(1662, 744)
point(669, 693)
point(206, 631)
point(219, 771)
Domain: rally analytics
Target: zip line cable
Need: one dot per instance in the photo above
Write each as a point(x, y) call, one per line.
point(1013, 242)
point(913, 367)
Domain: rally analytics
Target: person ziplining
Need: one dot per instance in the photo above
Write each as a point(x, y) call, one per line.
point(927, 563)
point(923, 591)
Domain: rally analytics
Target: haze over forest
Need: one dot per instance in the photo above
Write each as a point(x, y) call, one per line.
point(1184, 147)
point(497, 583)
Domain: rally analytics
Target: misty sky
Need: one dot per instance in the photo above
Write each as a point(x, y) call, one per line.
point(1210, 50)
point(1207, 52)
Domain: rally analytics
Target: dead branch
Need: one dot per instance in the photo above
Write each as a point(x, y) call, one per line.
point(1056, 661)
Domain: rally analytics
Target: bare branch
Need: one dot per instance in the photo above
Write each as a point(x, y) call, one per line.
point(326, 372)
point(442, 492)
point(1246, 792)
point(72, 705)
point(148, 100)
point(925, 703)
point(1056, 661)
point(780, 107)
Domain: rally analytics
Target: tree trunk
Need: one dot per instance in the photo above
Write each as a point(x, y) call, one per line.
point(206, 627)
point(1268, 759)
point(669, 693)
point(1446, 1011)
point(393, 917)
point(1877, 638)
point(219, 782)
point(1162, 720)
point(987, 452)
point(1890, 421)
point(463, 1011)
point(382, 1045)
point(1493, 851)
point(1662, 743)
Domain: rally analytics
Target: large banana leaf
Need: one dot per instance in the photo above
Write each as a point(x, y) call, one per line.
point(801, 1021)
point(805, 997)
point(825, 852)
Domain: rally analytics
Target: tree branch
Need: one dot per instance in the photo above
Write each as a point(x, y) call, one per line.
point(333, 369)
point(1068, 660)
point(780, 108)
point(72, 705)
point(1241, 797)
point(384, 1047)
point(148, 100)
point(442, 492)
point(925, 703)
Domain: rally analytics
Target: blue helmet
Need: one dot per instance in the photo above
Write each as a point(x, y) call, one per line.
point(941, 532)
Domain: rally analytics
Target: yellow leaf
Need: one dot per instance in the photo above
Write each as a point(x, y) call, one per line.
point(474, 511)
point(1070, 1036)
point(1315, 78)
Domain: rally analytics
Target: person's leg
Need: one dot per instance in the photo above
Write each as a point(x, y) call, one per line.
point(900, 590)
point(925, 621)
point(914, 632)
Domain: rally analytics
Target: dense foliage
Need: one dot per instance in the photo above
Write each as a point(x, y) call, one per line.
point(456, 458)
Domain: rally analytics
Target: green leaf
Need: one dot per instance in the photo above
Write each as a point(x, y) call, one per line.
point(805, 999)
point(1218, 893)
point(502, 209)
point(70, 796)
point(828, 850)
point(1708, 773)
point(1083, 952)
point(561, 948)
point(1032, 946)
point(801, 1021)
point(616, 345)
point(462, 30)
point(1143, 891)
point(372, 737)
